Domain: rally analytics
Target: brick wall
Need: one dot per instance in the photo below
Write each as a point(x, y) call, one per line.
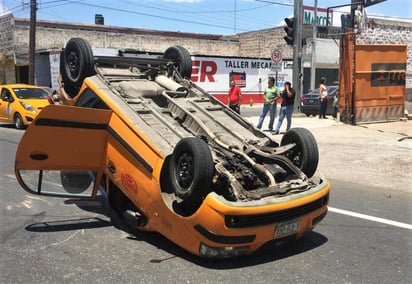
point(257, 44)
point(49, 36)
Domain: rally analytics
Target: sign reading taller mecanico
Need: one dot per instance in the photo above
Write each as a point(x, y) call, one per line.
point(214, 74)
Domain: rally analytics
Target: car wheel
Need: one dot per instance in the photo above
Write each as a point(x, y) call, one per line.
point(76, 63)
point(18, 121)
point(305, 154)
point(182, 59)
point(191, 172)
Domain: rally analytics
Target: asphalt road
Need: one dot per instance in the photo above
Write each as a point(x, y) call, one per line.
point(365, 238)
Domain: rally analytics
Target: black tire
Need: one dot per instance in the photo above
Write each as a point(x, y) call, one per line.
point(18, 121)
point(76, 63)
point(182, 59)
point(191, 172)
point(305, 154)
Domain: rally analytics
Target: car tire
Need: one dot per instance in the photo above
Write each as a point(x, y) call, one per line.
point(182, 59)
point(191, 172)
point(305, 154)
point(18, 121)
point(76, 63)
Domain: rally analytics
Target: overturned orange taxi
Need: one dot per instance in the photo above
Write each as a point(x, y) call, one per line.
point(169, 157)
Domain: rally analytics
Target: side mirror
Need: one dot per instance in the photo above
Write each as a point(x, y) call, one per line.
point(6, 98)
point(75, 182)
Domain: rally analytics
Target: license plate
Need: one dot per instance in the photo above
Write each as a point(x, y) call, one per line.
point(287, 228)
point(311, 101)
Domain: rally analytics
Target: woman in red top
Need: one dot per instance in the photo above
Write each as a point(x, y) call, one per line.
point(234, 97)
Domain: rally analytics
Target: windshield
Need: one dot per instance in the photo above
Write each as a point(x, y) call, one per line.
point(30, 93)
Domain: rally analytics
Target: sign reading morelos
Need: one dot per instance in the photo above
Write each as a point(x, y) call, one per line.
point(322, 17)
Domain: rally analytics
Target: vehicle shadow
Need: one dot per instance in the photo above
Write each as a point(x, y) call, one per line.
point(69, 225)
point(76, 223)
point(308, 242)
point(7, 125)
point(271, 253)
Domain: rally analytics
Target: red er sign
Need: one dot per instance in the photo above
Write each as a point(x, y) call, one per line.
point(276, 56)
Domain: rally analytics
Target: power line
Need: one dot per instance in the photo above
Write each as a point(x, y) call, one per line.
point(244, 23)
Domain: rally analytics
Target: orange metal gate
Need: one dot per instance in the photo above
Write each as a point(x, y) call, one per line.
point(372, 82)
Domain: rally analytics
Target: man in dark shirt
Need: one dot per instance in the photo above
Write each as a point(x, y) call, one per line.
point(286, 109)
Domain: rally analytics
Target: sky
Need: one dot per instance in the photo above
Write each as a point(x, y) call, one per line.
point(218, 17)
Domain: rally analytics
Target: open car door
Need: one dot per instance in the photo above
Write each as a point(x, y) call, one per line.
point(62, 152)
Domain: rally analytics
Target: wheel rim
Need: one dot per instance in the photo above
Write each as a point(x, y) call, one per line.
point(295, 155)
point(185, 171)
point(18, 122)
point(73, 63)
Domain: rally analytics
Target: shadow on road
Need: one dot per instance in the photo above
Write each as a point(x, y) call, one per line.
point(7, 125)
point(269, 253)
point(308, 242)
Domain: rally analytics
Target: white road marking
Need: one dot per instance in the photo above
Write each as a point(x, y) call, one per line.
point(371, 218)
point(38, 198)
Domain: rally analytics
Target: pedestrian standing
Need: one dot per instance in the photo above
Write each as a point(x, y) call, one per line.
point(270, 96)
point(235, 95)
point(286, 108)
point(335, 104)
point(323, 97)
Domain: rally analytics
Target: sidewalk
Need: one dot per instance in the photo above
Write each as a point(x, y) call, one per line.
point(252, 113)
point(376, 154)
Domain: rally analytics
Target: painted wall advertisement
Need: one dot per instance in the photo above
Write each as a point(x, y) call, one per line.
point(214, 74)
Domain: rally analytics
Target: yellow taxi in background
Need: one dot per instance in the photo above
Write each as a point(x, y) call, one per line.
point(20, 103)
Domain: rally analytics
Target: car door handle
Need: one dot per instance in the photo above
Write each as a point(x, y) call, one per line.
point(111, 167)
point(39, 157)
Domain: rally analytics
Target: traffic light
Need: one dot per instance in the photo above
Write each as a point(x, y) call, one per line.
point(289, 29)
point(368, 3)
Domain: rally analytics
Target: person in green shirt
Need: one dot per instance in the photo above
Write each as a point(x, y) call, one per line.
point(271, 95)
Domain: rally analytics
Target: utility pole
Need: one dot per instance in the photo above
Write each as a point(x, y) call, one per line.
point(297, 52)
point(32, 40)
point(313, 53)
point(234, 17)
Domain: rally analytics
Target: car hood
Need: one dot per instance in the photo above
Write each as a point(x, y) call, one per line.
point(36, 103)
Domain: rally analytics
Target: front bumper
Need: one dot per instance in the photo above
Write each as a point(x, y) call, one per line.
point(230, 227)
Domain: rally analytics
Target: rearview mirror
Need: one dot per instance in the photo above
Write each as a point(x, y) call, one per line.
point(75, 182)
